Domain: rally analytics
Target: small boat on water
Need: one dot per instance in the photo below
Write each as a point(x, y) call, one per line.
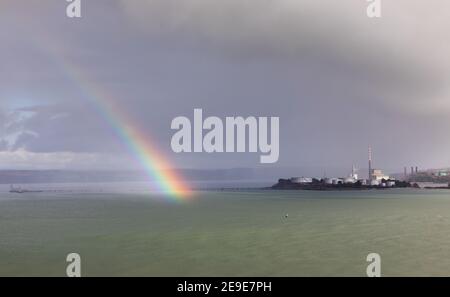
point(19, 190)
point(13, 189)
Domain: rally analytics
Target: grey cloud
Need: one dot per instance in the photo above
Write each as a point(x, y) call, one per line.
point(393, 54)
point(4, 145)
point(338, 80)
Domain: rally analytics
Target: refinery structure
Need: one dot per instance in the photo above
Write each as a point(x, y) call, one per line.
point(376, 178)
point(438, 176)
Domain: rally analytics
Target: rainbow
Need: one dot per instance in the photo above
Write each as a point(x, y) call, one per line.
point(138, 144)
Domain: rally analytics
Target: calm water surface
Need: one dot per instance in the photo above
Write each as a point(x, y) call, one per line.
point(226, 233)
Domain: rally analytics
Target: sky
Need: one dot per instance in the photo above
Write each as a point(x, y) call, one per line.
point(338, 80)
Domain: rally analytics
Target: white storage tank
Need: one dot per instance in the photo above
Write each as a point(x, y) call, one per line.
point(349, 180)
point(390, 183)
point(374, 182)
point(301, 180)
point(328, 181)
point(337, 181)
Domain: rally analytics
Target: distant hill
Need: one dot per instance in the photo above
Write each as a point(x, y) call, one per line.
point(69, 176)
point(233, 174)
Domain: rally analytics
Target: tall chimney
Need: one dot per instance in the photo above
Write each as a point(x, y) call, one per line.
point(370, 163)
point(417, 169)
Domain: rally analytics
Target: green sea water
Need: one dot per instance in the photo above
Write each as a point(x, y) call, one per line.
point(227, 233)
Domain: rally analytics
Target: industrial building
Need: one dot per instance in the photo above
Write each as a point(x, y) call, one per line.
point(376, 177)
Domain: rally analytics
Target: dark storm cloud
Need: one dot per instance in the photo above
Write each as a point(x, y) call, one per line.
point(337, 80)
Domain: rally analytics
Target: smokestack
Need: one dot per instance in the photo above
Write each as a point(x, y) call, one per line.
point(417, 169)
point(370, 163)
